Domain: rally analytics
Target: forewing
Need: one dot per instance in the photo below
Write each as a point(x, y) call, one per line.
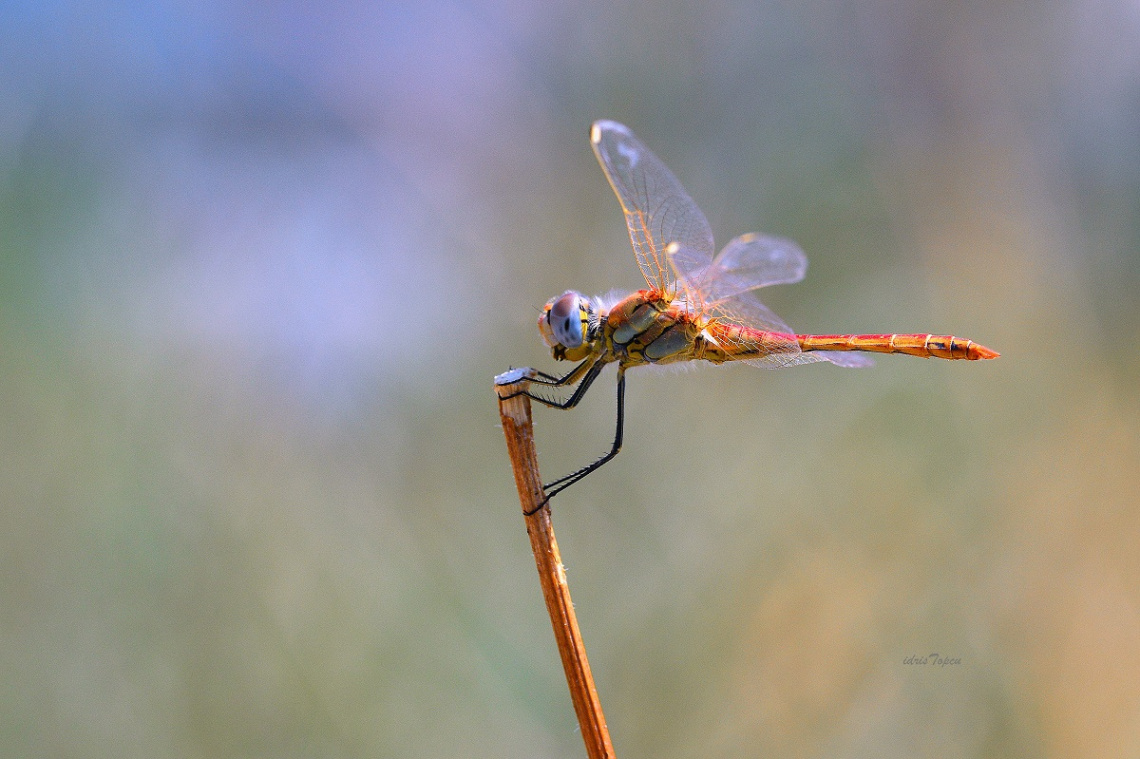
point(657, 209)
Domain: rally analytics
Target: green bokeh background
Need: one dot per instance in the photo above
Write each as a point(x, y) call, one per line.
point(258, 266)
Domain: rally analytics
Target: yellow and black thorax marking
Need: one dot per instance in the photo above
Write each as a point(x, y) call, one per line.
point(646, 328)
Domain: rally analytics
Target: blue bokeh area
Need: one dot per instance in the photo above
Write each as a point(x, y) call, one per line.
point(259, 264)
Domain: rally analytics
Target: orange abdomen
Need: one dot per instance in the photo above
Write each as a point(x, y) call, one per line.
point(926, 346)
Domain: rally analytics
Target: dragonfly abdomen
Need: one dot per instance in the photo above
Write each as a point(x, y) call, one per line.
point(926, 346)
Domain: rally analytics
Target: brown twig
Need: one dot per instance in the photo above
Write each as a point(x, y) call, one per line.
point(519, 431)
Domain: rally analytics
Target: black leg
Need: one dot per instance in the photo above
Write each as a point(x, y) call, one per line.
point(542, 378)
point(557, 486)
point(584, 374)
point(591, 374)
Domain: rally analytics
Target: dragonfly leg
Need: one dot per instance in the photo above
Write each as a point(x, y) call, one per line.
point(542, 378)
point(539, 377)
point(585, 374)
point(557, 486)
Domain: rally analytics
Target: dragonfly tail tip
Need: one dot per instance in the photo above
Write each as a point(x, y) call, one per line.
point(982, 352)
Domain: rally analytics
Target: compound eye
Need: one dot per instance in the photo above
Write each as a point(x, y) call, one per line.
point(566, 319)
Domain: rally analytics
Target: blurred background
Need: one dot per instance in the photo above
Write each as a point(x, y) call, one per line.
point(258, 266)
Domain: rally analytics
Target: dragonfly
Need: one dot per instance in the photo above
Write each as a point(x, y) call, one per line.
point(697, 306)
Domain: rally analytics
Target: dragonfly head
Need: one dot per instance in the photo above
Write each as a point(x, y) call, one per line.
point(568, 324)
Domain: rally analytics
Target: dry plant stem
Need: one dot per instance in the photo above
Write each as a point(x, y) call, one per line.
point(519, 431)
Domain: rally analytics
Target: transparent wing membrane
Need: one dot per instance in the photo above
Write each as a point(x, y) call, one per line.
point(746, 310)
point(724, 289)
point(752, 261)
point(728, 289)
point(657, 209)
point(847, 359)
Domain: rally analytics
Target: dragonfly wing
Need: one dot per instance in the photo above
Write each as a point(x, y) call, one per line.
point(745, 309)
point(749, 262)
point(657, 209)
point(839, 358)
point(846, 359)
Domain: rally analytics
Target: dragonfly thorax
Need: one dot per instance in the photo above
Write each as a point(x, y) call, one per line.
point(569, 324)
